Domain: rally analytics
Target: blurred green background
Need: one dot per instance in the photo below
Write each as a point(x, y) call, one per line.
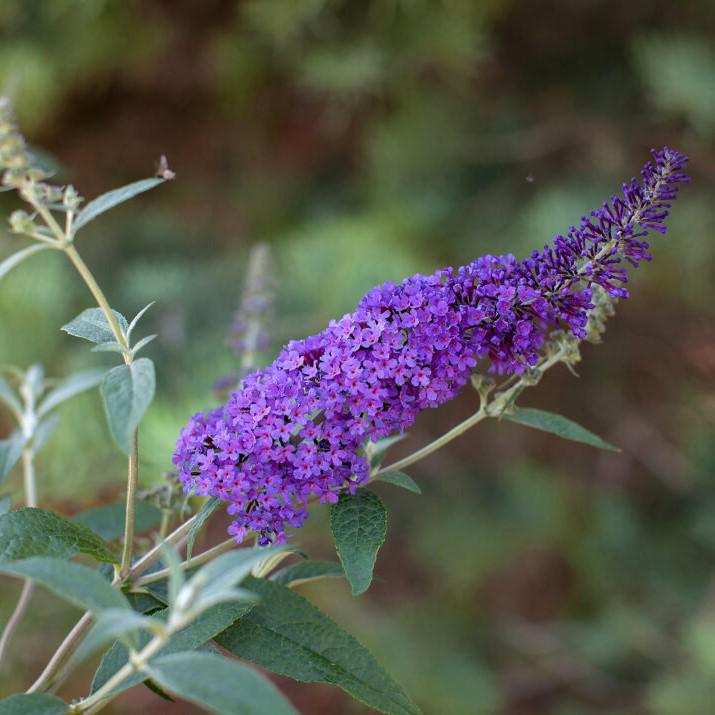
point(365, 140)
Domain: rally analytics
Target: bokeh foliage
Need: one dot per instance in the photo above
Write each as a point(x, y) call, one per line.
point(366, 141)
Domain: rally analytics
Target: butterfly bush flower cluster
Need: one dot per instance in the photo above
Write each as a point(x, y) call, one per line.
point(296, 429)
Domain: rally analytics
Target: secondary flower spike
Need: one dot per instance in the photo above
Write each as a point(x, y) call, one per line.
point(296, 428)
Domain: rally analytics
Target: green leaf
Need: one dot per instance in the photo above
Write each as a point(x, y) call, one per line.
point(113, 198)
point(10, 452)
point(33, 532)
point(381, 447)
point(127, 391)
point(92, 325)
point(207, 508)
point(358, 523)
point(220, 685)
point(143, 343)
point(207, 626)
point(73, 385)
point(75, 583)
point(305, 571)
point(9, 397)
point(9, 263)
point(43, 432)
point(108, 521)
point(110, 347)
point(558, 425)
point(286, 634)
point(400, 479)
point(137, 318)
point(32, 704)
point(114, 624)
point(5, 503)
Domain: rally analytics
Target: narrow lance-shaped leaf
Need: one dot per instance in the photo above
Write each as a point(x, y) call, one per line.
point(9, 398)
point(359, 524)
point(92, 325)
point(305, 571)
point(43, 432)
point(73, 385)
point(10, 452)
point(127, 391)
point(74, 583)
point(286, 634)
point(9, 263)
point(558, 425)
point(207, 508)
point(34, 532)
point(400, 479)
point(113, 198)
point(32, 704)
point(219, 685)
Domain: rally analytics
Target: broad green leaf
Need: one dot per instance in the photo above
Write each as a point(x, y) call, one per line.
point(113, 198)
point(75, 583)
point(92, 325)
point(219, 685)
point(5, 503)
point(400, 479)
point(207, 508)
point(304, 571)
point(10, 452)
point(127, 391)
point(32, 704)
point(286, 634)
point(108, 521)
point(73, 385)
point(9, 263)
point(115, 624)
point(33, 532)
point(9, 397)
point(44, 431)
point(358, 523)
point(207, 626)
point(558, 425)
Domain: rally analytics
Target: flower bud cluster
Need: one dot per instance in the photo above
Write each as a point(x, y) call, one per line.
point(296, 429)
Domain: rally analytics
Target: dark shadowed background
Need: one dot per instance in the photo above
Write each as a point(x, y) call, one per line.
point(365, 141)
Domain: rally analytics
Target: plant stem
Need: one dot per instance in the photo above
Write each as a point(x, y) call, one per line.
point(28, 474)
point(62, 654)
point(132, 479)
point(155, 552)
point(95, 702)
point(201, 558)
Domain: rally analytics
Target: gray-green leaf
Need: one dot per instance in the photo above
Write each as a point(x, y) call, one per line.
point(207, 508)
point(33, 532)
point(92, 325)
point(113, 198)
point(43, 432)
point(9, 397)
point(220, 685)
point(75, 583)
point(32, 704)
point(286, 634)
point(73, 385)
point(305, 571)
point(9, 263)
point(558, 425)
point(127, 391)
point(108, 521)
point(203, 629)
point(358, 523)
point(5, 503)
point(10, 452)
point(400, 479)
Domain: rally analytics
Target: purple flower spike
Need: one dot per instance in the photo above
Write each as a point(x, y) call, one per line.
point(296, 428)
